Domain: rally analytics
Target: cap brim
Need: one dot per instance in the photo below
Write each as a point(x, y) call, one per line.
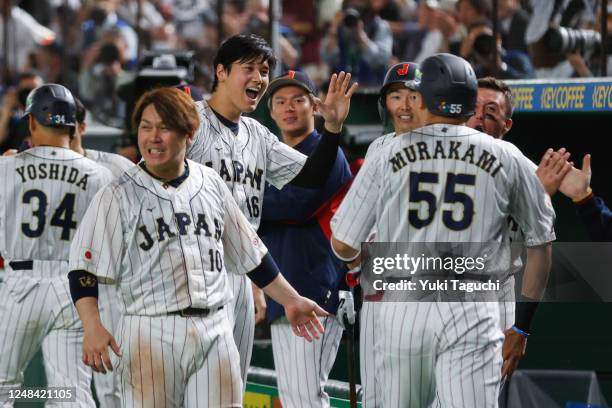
point(279, 83)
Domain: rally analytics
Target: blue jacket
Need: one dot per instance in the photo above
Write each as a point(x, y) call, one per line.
point(597, 218)
point(294, 236)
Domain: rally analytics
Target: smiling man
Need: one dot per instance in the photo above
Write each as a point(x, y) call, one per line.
point(294, 225)
point(246, 154)
point(164, 233)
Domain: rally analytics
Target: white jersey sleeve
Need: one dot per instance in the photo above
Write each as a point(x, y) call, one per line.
point(243, 250)
point(116, 163)
point(284, 162)
point(98, 243)
point(530, 206)
point(356, 217)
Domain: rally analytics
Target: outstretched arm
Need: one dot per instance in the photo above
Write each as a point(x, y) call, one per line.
point(334, 109)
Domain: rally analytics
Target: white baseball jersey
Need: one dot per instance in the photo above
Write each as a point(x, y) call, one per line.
point(108, 385)
point(442, 183)
point(116, 163)
point(166, 248)
point(43, 197)
point(45, 192)
point(245, 161)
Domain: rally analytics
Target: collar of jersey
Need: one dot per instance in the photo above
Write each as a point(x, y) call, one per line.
point(53, 153)
point(445, 129)
point(175, 182)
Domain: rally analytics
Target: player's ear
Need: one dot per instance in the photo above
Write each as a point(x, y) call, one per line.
point(221, 72)
point(507, 125)
point(82, 127)
point(31, 123)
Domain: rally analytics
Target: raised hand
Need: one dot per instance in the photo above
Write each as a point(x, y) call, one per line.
point(335, 107)
point(552, 169)
point(575, 184)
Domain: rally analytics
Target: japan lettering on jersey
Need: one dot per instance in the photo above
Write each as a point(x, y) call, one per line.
point(245, 161)
point(444, 183)
point(43, 197)
point(166, 247)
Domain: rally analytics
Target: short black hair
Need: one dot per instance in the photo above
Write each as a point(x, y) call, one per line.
point(499, 86)
point(242, 48)
point(80, 110)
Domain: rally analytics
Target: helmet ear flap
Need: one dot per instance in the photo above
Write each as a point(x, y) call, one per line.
point(382, 110)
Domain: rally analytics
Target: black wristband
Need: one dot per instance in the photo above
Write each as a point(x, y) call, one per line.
point(82, 284)
point(320, 163)
point(524, 312)
point(265, 272)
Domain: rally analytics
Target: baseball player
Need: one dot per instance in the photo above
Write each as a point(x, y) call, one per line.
point(107, 386)
point(295, 228)
point(394, 105)
point(43, 198)
point(246, 154)
point(163, 233)
point(493, 116)
point(436, 184)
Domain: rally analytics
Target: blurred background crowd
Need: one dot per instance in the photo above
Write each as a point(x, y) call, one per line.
point(108, 51)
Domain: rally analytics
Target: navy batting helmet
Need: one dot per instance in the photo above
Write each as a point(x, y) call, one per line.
point(52, 105)
point(448, 86)
point(405, 73)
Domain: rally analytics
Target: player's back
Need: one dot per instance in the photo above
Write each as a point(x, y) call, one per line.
point(45, 193)
point(116, 163)
point(446, 183)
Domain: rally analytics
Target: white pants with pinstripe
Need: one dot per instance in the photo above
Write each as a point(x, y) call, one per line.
point(35, 311)
point(371, 397)
point(108, 386)
point(241, 314)
point(302, 368)
point(174, 361)
point(449, 353)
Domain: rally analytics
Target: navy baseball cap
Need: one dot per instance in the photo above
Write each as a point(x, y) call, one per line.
point(292, 78)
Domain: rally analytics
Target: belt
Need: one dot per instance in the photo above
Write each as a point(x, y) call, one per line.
point(21, 265)
point(193, 311)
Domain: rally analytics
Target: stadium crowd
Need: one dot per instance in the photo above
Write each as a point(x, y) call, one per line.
point(94, 47)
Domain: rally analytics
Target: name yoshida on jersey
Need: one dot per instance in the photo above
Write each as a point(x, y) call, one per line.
point(444, 183)
point(244, 160)
point(43, 197)
point(166, 248)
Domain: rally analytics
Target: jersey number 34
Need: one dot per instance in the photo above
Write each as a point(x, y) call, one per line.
point(63, 216)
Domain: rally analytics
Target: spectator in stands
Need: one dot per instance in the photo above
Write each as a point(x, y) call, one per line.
point(235, 17)
point(473, 11)
point(435, 30)
point(513, 23)
point(480, 46)
point(158, 34)
point(103, 17)
point(23, 33)
point(99, 84)
point(358, 41)
point(12, 130)
point(53, 66)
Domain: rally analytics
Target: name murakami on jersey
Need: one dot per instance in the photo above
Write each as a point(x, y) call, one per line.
point(53, 171)
point(447, 149)
point(182, 225)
